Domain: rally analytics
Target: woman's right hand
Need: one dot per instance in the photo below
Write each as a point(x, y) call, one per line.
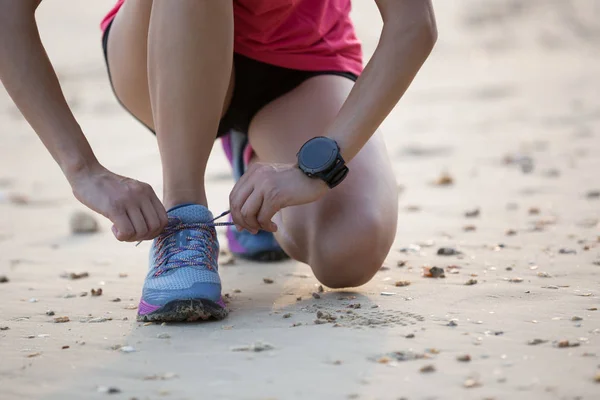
point(132, 206)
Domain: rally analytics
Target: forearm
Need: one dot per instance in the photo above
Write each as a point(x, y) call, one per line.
point(30, 80)
point(402, 50)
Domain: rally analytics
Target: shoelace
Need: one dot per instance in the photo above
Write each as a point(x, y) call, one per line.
point(196, 243)
point(211, 223)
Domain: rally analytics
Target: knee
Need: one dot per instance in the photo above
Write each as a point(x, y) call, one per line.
point(352, 260)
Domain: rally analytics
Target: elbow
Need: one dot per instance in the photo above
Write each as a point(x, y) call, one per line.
point(426, 32)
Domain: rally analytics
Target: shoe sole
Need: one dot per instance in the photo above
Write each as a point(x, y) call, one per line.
point(263, 256)
point(186, 311)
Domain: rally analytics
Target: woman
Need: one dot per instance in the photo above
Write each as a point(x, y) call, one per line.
point(279, 75)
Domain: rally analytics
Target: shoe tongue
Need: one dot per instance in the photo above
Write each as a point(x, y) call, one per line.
point(191, 213)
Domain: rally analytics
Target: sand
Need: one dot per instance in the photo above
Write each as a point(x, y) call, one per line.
point(507, 106)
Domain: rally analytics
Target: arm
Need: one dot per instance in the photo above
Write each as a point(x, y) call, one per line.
point(408, 35)
point(30, 80)
point(28, 76)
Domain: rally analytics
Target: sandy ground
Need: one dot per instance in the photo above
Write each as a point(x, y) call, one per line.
point(508, 106)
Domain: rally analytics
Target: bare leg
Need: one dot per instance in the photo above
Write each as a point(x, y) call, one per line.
point(346, 235)
point(171, 65)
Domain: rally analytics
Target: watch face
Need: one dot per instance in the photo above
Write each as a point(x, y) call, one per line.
point(318, 154)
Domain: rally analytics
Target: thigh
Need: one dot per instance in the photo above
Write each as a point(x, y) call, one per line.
point(370, 190)
point(127, 54)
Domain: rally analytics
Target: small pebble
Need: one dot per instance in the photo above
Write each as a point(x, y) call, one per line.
point(33, 300)
point(123, 275)
point(427, 368)
point(473, 213)
point(448, 251)
point(50, 313)
point(576, 318)
point(543, 274)
point(593, 194)
point(268, 280)
point(60, 320)
point(567, 251)
point(565, 343)
point(402, 283)
point(287, 315)
point(463, 358)
point(516, 280)
point(127, 349)
point(535, 342)
point(401, 263)
point(433, 272)
point(387, 293)
point(4, 328)
point(316, 295)
point(256, 347)
point(96, 320)
point(65, 347)
point(299, 298)
point(108, 389)
point(82, 223)
point(597, 377)
point(163, 335)
point(410, 336)
point(3, 279)
point(32, 355)
point(471, 383)
point(444, 180)
point(534, 211)
point(74, 275)
point(320, 289)
point(511, 232)
point(115, 300)
point(237, 291)
point(471, 282)
point(469, 228)
point(96, 292)
point(452, 323)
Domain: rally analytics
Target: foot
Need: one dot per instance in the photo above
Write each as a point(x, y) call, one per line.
point(261, 246)
point(183, 282)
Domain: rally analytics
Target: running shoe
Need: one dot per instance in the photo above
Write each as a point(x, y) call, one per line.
point(183, 282)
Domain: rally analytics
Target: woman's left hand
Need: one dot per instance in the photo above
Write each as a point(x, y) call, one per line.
point(267, 188)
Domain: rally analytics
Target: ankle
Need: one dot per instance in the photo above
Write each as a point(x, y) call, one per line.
point(171, 199)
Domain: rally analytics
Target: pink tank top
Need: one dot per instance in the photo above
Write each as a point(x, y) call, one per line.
point(311, 35)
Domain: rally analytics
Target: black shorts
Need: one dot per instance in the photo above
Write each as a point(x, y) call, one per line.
point(256, 85)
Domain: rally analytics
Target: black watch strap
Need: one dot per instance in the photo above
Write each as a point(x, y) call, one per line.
point(335, 175)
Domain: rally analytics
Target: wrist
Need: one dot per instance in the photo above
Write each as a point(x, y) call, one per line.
point(77, 168)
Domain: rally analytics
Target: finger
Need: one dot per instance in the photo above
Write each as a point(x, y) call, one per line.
point(123, 228)
point(163, 218)
point(139, 223)
point(265, 216)
point(250, 211)
point(237, 198)
point(151, 218)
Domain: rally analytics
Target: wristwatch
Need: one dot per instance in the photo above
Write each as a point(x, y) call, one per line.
point(320, 158)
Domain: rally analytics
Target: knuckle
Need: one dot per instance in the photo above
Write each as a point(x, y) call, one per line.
point(244, 213)
point(117, 207)
point(138, 189)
